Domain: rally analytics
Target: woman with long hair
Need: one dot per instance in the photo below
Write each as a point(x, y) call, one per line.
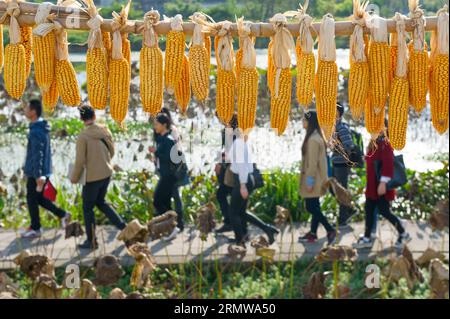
point(378, 196)
point(314, 172)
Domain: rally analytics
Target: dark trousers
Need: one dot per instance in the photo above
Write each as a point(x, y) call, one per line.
point(36, 199)
point(384, 210)
point(178, 206)
point(222, 194)
point(313, 207)
point(341, 173)
point(94, 196)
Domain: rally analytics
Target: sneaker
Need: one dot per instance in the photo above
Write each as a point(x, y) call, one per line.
point(88, 245)
point(30, 233)
point(331, 237)
point(66, 220)
point(224, 229)
point(308, 238)
point(403, 239)
point(363, 242)
point(173, 235)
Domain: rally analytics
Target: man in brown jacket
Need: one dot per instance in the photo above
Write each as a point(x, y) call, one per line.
point(94, 151)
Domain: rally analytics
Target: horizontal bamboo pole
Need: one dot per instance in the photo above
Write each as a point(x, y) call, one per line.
point(71, 18)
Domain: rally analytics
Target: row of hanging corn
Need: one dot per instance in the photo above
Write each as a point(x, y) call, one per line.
point(383, 71)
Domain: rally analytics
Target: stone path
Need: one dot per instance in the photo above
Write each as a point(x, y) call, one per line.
point(189, 247)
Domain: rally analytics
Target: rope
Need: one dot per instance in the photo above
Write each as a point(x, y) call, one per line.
point(94, 24)
point(151, 19)
point(117, 26)
point(45, 21)
point(12, 12)
point(418, 21)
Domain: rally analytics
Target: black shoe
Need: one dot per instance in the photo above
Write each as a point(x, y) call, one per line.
point(271, 232)
point(331, 236)
point(224, 229)
point(88, 245)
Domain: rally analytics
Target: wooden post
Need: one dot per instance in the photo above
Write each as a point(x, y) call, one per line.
point(76, 19)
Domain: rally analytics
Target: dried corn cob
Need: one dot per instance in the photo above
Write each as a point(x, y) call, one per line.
point(393, 51)
point(50, 98)
point(281, 48)
point(175, 45)
point(270, 68)
point(398, 102)
point(358, 84)
point(183, 87)
point(107, 44)
point(439, 74)
point(238, 61)
point(126, 48)
point(248, 78)
point(306, 63)
point(374, 122)
point(151, 63)
point(119, 72)
point(26, 40)
point(379, 62)
point(44, 59)
point(15, 73)
point(199, 60)
point(326, 78)
point(226, 80)
point(1, 47)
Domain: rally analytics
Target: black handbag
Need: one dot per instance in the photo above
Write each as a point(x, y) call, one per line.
point(179, 170)
point(399, 179)
point(257, 178)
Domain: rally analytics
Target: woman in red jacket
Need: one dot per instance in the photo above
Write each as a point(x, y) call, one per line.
point(377, 194)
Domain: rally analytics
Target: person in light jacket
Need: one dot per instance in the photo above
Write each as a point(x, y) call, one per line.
point(314, 173)
point(94, 152)
point(378, 196)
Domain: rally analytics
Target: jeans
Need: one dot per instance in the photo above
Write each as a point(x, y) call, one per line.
point(313, 207)
point(162, 196)
point(384, 210)
point(36, 199)
point(94, 196)
point(341, 173)
point(178, 207)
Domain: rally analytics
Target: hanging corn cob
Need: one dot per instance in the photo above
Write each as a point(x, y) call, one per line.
point(399, 96)
point(226, 79)
point(66, 78)
point(15, 73)
point(126, 48)
point(96, 59)
point(107, 44)
point(270, 67)
point(119, 71)
point(27, 40)
point(418, 61)
point(439, 73)
point(374, 122)
point(183, 87)
point(358, 83)
point(151, 64)
point(327, 78)
point(1, 47)
point(306, 63)
point(44, 46)
point(379, 62)
point(393, 50)
point(248, 78)
point(50, 98)
point(175, 45)
point(199, 59)
point(282, 46)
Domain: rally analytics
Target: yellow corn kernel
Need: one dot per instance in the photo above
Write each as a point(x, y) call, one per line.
point(126, 48)
point(280, 104)
point(358, 88)
point(26, 40)
point(175, 45)
point(398, 112)
point(439, 96)
point(183, 87)
point(199, 71)
point(107, 44)
point(44, 59)
point(379, 66)
point(151, 79)
point(119, 85)
point(306, 67)
point(50, 98)
point(15, 76)
point(226, 84)
point(326, 96)
point(67, 84)
point(393, 63)
point(97, 77)
point(374, 122)
point(247, 98)
point(238, 62)
point(418, 79)
point(1, 47)
point(270, 68)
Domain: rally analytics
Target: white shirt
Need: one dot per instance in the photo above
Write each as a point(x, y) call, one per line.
point(241, 159)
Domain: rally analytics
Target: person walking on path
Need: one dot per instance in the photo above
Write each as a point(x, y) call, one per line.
point(242, 167)
point(165, 144)
point(94, 151)
point(343, 146)
point(314, 172)
point(37, 169)
point(378, 196)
